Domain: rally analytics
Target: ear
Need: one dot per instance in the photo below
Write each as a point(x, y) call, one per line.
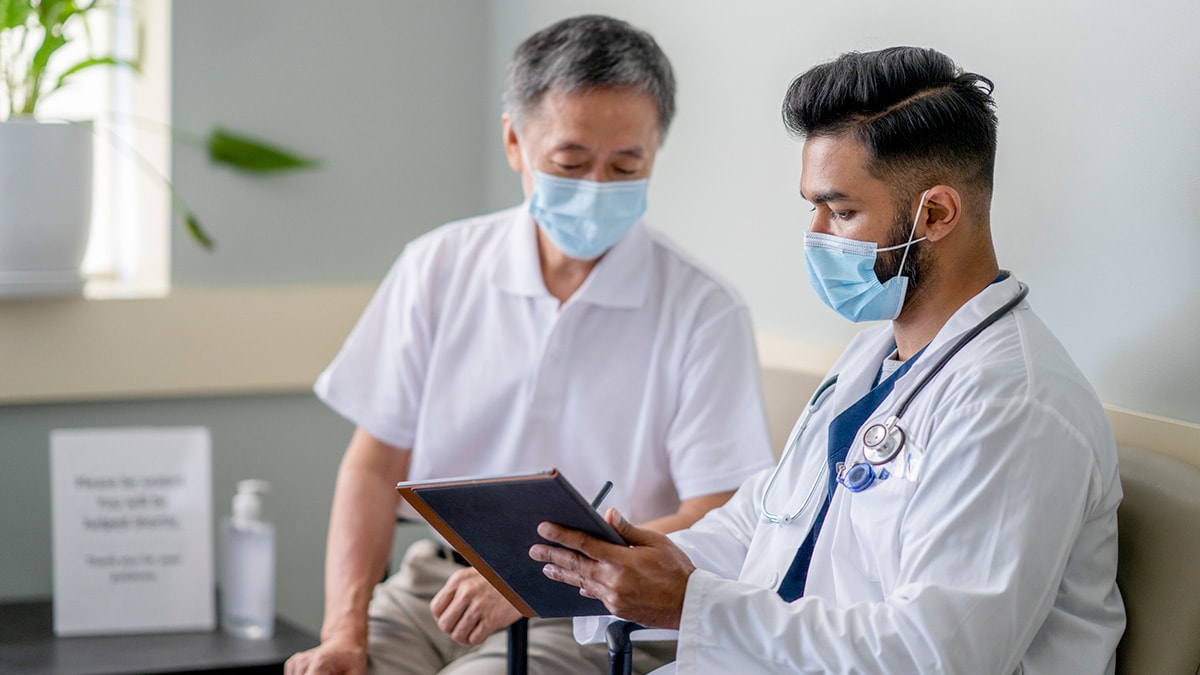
point(942, 212)
point(512, 145)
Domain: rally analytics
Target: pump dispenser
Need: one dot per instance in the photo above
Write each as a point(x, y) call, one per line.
point(248, 566)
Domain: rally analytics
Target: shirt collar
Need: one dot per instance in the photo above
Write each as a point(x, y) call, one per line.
point(619, 280)
point(517, 269)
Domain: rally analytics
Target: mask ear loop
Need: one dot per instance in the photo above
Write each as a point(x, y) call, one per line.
point(911, 234)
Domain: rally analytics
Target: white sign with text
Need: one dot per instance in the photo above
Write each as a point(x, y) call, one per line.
point(132, 520)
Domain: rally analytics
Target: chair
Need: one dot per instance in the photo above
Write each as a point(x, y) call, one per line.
point(620, 647)
point(1159, 523)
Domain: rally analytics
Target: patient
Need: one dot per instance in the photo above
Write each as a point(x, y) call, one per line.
point(974, 531)
point(561, 333)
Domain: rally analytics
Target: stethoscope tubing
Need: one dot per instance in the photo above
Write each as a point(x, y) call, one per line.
point(813, 404)
point(892, 420)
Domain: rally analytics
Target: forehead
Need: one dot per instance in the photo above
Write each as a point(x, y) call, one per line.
point(612, 114)
point(837, 165)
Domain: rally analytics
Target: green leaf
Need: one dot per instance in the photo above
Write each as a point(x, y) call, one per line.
point(251, 155)
point(53, 13)
point(37, 69)
point(15, 13)
point(89, 63)
point(198, 234)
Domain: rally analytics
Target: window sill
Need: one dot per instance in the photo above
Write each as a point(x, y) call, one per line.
point(193, 342)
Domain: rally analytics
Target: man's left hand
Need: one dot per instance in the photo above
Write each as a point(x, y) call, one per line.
point(643, 582)
point(469, 609)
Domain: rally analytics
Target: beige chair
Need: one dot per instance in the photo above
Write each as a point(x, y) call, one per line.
point(1159, 568)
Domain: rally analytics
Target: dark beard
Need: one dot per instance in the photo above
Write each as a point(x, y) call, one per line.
point(887, 263)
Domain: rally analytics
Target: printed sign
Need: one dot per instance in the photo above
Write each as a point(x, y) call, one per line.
point(132, 521)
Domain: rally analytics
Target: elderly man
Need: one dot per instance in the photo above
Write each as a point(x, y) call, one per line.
point(949, 505)
point(563, 333)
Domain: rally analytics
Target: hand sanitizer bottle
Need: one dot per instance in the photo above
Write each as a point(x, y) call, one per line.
point(248, 566)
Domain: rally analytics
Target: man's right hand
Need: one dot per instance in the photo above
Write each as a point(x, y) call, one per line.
point(329, 658)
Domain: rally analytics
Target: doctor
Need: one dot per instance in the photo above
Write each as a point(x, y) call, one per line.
point(949, 504)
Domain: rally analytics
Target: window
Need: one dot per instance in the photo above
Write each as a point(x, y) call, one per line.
point(128, 252)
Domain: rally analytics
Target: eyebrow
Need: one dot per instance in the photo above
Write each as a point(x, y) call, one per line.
point(831, 196)
point(568, 146)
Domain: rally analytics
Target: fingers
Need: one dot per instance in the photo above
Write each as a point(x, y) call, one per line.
point(645, 581)
point(631, 533)
point(445, 596)
point(469, 609)
point(327, 658)
point(575, 540)
point(564, 575)
point(452, 615)
point(297, 664)
point(563, 564)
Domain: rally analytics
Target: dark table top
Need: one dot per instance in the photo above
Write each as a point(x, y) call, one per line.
point(28, 645)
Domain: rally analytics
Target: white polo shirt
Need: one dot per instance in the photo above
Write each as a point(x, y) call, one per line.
point(646, 376)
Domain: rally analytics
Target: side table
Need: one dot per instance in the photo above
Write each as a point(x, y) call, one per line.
point(28, 645)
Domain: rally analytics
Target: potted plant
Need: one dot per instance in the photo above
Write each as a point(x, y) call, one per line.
point(46, 166)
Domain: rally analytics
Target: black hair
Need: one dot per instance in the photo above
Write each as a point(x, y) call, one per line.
point(922, 119)
point(586, 52)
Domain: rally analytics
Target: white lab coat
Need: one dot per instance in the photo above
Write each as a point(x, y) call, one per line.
point(1000, 557)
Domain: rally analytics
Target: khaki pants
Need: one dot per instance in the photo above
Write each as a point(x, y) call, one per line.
point(405, 639)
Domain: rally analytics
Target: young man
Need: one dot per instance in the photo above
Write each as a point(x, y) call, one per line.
point(951, 504)
point(563, 333)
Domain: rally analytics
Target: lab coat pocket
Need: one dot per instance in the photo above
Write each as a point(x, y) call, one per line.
point(875, 517)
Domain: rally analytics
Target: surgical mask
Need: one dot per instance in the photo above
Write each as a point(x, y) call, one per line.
point(584, 218)
point(842, 272)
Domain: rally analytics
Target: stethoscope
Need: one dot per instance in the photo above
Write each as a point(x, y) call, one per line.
point(881, 442)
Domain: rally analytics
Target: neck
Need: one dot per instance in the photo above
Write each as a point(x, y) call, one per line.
point(928, 310)
point(562, 274)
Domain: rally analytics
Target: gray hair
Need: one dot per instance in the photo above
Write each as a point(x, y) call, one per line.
point(587, 52)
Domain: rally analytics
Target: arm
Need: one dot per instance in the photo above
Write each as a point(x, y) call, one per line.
point(469, 609)
point(978, 560)
point(971, 607)
point(361, 528)
point(690, 510)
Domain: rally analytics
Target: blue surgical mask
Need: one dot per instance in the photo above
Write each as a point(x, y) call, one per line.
point(842, 272)
point(584, 218)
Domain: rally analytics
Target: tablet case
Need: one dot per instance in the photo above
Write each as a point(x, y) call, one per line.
point(492, 522)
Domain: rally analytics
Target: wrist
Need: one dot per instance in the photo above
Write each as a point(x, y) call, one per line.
point(350, 635)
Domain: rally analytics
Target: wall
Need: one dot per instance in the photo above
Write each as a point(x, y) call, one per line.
point(1095, 205)
point(385, 93)
point(401, 99)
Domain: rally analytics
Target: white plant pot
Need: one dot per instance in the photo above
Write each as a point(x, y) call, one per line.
point(45, 207)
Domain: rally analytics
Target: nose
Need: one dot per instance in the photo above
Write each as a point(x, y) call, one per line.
point(817, 224)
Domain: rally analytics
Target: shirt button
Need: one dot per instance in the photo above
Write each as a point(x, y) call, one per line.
point(772, 580)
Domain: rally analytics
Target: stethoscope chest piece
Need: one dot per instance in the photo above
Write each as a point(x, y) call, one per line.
point(882, 442)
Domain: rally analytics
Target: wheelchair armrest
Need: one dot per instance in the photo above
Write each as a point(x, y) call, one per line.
point(620, 646)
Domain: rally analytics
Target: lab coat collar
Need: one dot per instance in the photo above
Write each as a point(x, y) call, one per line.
point(856, 376)
point(619, 280)
point(855, 382)
point(972, 313)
